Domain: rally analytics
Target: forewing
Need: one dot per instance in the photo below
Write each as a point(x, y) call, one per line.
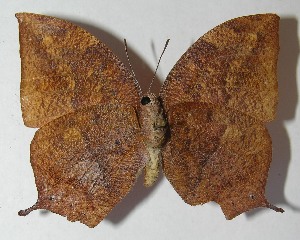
point(233, 65)
point(215, 154)
point(64, 68)
point(85, 162)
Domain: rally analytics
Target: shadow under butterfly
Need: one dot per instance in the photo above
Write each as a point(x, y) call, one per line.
point(98, 132)
point(288, 95)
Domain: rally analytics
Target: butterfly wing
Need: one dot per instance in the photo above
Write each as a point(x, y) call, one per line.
point(232, 65)
point(217, 98)
point(83, 166)
point(89, 150)
point(64, 68)
point(218, 154)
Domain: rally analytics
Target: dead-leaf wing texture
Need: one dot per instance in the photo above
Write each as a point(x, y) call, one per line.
point(85, 162)
point(89, 150)
point(63, 68)
point(216, 154)
point(233, 65)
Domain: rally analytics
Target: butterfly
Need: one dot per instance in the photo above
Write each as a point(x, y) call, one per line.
point(98, 132)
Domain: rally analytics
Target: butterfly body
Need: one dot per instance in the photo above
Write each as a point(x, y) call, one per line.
point(97, 132)
point(154, 128)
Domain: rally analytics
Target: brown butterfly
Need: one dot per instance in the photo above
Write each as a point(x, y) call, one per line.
point(98, 132)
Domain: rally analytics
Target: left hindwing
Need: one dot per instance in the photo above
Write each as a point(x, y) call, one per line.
point(85, 162)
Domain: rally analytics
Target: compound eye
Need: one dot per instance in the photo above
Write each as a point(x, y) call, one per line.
point(145, 100)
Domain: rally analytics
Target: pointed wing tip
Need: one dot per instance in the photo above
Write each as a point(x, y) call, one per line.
point(273, 207)
point(25, 212)
point(21, 15)
point(232, 215)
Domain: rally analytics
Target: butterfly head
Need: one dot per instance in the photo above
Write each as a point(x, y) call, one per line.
point(149, 100)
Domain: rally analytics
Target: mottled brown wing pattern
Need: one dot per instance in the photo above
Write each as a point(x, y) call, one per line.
point(84, 166)
point(217, 98)
point(65, 68)
point(93, 142)
point(232, 65)
point(217, 154)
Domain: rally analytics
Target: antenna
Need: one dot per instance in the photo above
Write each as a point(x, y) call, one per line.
point(130, 66)
point(126, 51)
point(165, 47)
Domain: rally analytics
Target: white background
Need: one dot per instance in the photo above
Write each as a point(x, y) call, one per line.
point(156, 213)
